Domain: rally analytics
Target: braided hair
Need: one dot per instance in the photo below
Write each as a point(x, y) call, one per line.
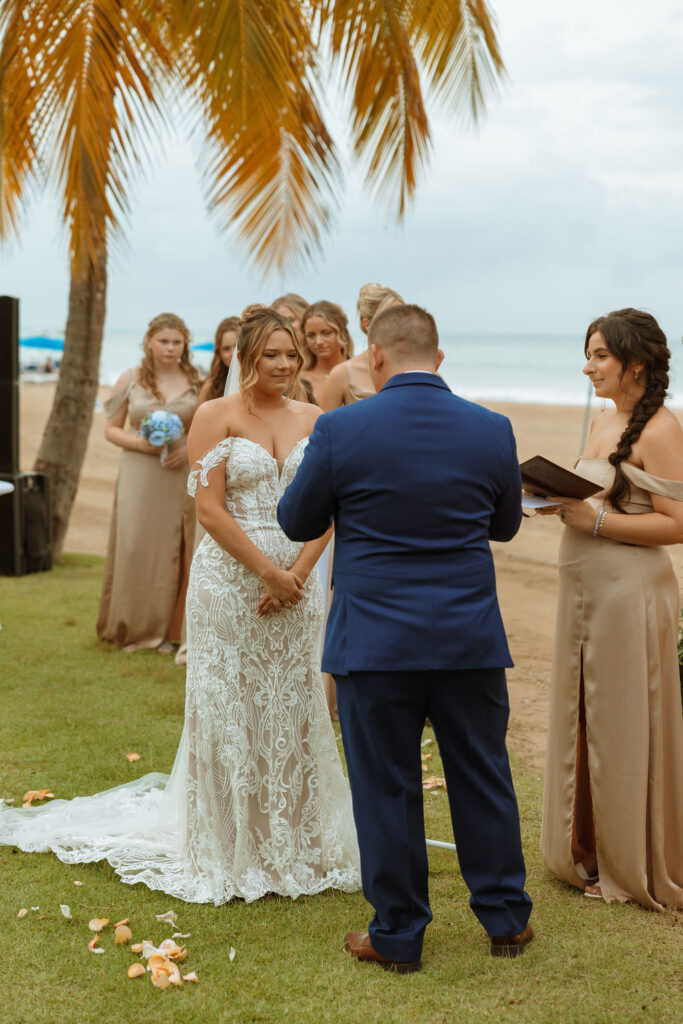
point(633, 336)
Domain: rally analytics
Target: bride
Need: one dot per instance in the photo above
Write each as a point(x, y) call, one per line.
point(257, 801)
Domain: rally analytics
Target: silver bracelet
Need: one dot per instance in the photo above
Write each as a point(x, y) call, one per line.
point(598, 521)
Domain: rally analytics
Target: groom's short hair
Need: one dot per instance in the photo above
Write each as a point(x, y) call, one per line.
point(407, 333)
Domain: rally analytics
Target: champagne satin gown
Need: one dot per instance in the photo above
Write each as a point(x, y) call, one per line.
point(151, 538)
point(614, 763)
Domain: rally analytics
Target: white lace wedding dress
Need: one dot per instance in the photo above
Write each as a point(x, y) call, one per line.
point(257, 801)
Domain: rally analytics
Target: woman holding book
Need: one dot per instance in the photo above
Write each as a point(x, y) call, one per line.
point(613, 800)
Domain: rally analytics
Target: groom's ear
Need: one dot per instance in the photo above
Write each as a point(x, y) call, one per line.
point(439, 358)
point(377, 358)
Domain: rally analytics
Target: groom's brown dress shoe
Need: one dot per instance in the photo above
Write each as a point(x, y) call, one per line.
point(358, 944)
point(511, 945)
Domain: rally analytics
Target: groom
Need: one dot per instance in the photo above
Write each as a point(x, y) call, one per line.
point(417, 482)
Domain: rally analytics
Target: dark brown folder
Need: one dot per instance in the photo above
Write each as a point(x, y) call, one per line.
point(545, 478)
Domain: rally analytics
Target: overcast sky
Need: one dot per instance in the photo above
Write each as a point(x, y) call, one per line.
point(565, 203)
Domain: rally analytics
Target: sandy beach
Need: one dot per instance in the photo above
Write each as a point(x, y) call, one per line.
point(527, 577)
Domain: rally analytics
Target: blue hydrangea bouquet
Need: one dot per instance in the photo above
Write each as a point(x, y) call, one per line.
point(160, 428)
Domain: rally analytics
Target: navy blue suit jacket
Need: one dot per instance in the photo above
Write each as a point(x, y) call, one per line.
point(417, 482)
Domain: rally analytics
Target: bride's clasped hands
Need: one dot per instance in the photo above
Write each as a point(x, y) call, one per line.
point(284, 589)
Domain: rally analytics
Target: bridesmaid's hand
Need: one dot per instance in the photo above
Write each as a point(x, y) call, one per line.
point(578, 514)
point(145, 447)
point(176, 459)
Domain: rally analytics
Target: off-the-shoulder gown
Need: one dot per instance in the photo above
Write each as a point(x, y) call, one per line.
point(257, 801)
point(614, 764)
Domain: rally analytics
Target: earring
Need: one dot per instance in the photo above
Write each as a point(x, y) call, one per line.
point(636, 375)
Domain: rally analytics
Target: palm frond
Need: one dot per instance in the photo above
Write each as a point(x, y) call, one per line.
point(247, 49)
point(19, 160)
point(389, 126)
point(96, 67)
point(273, 169)
point(391, 51)
point(456, 43)
point(273, 183)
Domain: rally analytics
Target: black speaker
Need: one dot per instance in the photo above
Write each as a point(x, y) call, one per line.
point(9, 384)
point(25, 533)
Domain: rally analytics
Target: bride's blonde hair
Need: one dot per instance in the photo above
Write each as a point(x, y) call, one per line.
point(257, 323)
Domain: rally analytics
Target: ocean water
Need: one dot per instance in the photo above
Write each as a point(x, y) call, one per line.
point(543, 369)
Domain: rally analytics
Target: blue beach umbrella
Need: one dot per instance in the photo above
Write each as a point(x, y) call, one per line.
point(38, 341)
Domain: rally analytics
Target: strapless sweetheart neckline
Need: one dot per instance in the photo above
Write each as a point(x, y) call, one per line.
point(280, 463)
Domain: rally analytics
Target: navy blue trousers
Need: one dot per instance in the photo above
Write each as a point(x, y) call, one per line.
point(382, 715)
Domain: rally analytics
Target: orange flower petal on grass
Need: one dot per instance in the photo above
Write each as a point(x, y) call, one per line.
point(98, 923)
point(23, 912)
point(136, 947)
point(433, 782)
point(122, 935)
point(174, 976)
point(161, 967)
point(136, 970)
point(93, 942)
point(37, 794)
point(118, 924)
point(173, 951)
point(132, 757)
point(190, 977)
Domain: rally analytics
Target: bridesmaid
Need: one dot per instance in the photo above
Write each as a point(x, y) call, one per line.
point(153, 521)
point(613, 800)
point(350, 381)
point(328, 343)
point(292, 307)
point(223, 351)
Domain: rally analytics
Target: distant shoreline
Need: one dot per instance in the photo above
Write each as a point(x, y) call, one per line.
point(35, 377)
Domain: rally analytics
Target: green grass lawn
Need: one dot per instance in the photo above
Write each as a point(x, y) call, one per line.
point(70, 710)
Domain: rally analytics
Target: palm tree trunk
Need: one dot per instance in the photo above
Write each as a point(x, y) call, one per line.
point(64, 443)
